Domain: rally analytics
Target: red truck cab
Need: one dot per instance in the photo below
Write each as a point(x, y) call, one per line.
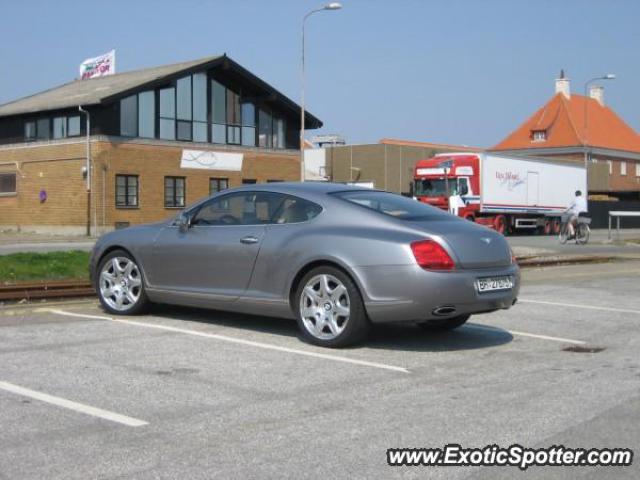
point(437, 178)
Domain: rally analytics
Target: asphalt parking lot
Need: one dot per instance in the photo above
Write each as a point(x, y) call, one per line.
point(186, 393)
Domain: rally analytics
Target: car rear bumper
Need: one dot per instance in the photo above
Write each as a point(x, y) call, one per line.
point(408, 293)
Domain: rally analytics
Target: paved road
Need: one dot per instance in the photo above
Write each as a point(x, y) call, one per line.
point(598, 244)
point(186, 393)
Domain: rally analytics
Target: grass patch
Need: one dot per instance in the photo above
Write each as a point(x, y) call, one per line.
point(18, 267)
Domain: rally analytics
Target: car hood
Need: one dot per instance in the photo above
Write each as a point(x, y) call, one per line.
point(475, 246)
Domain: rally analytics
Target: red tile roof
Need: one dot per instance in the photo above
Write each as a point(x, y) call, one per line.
point(563, 120)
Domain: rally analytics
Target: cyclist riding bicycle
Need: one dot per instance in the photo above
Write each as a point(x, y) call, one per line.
point(578, 206)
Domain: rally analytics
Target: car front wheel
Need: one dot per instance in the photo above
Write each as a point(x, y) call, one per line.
point(330, 311)
point(120, 285)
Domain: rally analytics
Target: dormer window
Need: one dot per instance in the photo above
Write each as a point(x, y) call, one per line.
point(538, 135)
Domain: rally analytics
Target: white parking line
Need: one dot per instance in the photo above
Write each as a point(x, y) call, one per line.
point(78, 407)
point(239, 341)
point(530, 335)
point(575, 305)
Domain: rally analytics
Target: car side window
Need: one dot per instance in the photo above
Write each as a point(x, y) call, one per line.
point(296, 210)
point(242, 208)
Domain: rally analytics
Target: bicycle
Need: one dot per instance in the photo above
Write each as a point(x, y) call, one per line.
point(581, 230)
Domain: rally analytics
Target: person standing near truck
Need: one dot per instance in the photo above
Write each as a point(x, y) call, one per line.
point(455, 202)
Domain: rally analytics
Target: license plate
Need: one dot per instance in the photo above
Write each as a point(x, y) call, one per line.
point(492, 284)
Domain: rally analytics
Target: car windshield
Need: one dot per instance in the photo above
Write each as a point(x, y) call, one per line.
point(393, 205)
point(436, 187)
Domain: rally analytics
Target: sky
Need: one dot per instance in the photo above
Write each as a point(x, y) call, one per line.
point(454, 71)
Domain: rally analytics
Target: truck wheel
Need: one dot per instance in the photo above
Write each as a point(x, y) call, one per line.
point(556, 226)
point(500, 224)
point(470, 217)
point(547, 226)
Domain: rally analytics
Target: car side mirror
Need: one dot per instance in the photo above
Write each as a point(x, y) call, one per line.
point(184, 222)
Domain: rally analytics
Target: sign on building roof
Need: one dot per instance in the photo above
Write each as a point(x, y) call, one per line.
point(98, 66)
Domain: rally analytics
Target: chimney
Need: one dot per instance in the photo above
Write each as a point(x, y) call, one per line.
point(597, 93)
point(562, 85)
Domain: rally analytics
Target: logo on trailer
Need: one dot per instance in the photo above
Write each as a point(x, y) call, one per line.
point(509, 179)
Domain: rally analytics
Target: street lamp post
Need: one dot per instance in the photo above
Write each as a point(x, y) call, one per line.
point(585, 140)
point(329, 6)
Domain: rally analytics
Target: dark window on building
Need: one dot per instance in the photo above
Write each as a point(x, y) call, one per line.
point(183, 98)
point(248, 124)
point(43, 129)
point(184, 115)
point(278, 133)
point(168, 113)
point(7, 183)
point(248, 181)
point(218, 133)
point(73, 126)
point(274, 181)
point(59, 127)
point(233, 108)
point(174, 192)
point(184, 130)
point(30, 131)
point(218, 112)
point(200, 107)
point(233, 135)
point(126, 191)
point(62, 127)
point(129, 116)
point(538, 135)
point(200, 132)
point(147, 114)
point(217, 185)
point(265, 129)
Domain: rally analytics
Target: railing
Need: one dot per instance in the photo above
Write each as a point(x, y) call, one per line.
point(619, 214)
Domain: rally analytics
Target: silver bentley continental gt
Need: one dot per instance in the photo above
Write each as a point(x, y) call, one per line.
point(336, 258)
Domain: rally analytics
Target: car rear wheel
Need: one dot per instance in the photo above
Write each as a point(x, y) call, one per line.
point(330, 311)
point(445, 323)
point(120, 285)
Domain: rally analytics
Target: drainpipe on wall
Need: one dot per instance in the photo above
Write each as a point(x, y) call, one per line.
point(88, 167)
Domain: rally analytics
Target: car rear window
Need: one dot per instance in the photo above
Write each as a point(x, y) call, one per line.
point(393, 205)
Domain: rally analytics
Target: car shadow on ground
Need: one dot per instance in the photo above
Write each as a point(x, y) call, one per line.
point(409, 337)
point(401, 337)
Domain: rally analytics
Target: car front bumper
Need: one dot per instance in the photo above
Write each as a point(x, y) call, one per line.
point(405, 293)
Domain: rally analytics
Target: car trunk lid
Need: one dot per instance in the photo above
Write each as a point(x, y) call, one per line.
point(474, 246)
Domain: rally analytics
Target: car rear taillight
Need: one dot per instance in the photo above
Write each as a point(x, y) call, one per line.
point(431, 256)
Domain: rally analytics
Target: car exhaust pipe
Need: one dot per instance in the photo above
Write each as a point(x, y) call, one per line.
point(444, 311)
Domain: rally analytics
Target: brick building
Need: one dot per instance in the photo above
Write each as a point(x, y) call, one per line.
point(583, 129)
point(160, 138)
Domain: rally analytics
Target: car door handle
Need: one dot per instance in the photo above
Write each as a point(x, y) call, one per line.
point(249, 240)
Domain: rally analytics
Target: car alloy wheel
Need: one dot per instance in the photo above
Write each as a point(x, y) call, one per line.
point(325, 307)
point(120, 284)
